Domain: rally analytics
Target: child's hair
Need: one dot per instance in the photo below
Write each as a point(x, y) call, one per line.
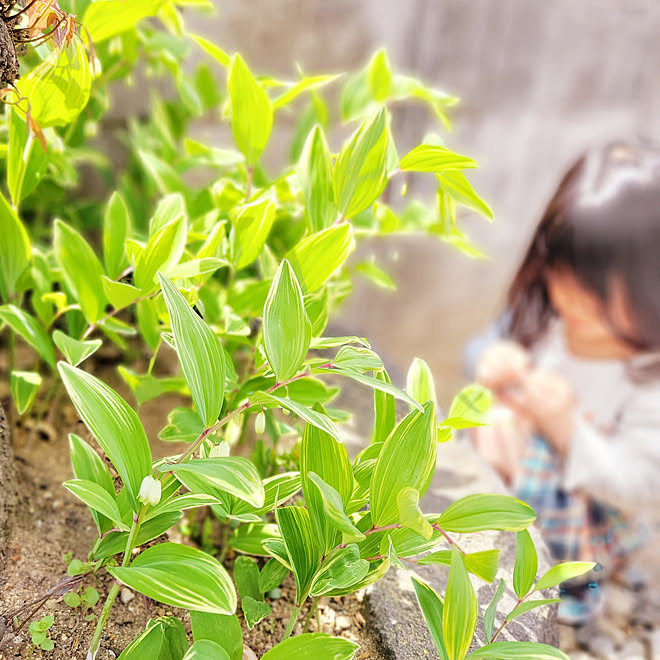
point(603, 223)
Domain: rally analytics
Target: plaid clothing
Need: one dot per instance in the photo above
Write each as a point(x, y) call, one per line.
point(575, 526)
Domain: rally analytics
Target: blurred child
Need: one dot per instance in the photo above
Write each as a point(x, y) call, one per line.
point(575, 365)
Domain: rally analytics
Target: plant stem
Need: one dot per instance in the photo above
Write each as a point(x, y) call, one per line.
point(310, 614)
point(292, 622)
point(506, 621)
point(109, 601)
point(449, 539)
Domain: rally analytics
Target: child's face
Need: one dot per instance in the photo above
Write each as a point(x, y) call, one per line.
point(588, 327)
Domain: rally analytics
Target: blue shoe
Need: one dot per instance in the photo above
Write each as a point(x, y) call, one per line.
point(579, 604)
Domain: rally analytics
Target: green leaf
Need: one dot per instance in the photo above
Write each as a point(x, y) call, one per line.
point(286, 328)
point(24, 387)
point(272, 575)
point(119, 294)
point(342, 570)
point(252, 111)
point(318, 256)
point(58, 87)
point(205, 649)
point(518, 651)
point(419, 383)
point(27, 160)
point(410, 514)
point(321, 454)
point(223, 629)
point(278, 488)
point(360, 359)
point(431, 605)
point(333, 509)
point(384, 411)
point(375, 274)
point(113, 423)
point(97, 498)
point(164, 639)
point(116, 227)
point(530, 605)
point(81, 269)
point(430, 158)
point(483, 564)
point(106, 18)
point(200, 352)
point(214, 51)
point(180, 503)
point(14, 249)
point(469, 407)
point(180, 576)
point(75, 350)
point(459, 616)
point(526, 565)
point(251, 538)
point(477, 513)
point(254, 610)
point(301, 546)
point(315, 176)
point(312, 646)
point(379, 73)
point(564, 571)
point(406, 460)
point(246, 577)
point(250, 230)
point(456, 185)
point(360, 173)
point(491, 610)
point(184, 425)
point(296, 89)
point(162, 252)
point(214, 476)
point(30, 330)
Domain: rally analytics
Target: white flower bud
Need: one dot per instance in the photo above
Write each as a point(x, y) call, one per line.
point(260, 423)
point(149, 491)
point(219, 451)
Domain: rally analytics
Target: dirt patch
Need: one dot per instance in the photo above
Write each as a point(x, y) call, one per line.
point(50, 522)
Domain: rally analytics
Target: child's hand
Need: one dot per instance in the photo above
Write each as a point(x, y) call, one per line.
point(503, 365)
point(549, 402)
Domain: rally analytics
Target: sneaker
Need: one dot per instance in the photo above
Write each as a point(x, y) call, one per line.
point(579, 604)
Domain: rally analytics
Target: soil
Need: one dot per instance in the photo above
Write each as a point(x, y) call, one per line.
point(50, 522)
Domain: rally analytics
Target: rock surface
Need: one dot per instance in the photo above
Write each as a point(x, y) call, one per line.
point(391, 606)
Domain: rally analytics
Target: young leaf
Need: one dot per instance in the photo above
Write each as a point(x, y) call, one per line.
point(30, 330)
point(379, 73)
point(223, 629)
point(14, 249)
point(180, 576)
point(358, 358)
point(342, 570)
point(564, 571)
point(81, 269)
point(477, 513)
point(315, 176)
point(320, 453)
point(469, 407)
point(200, 352)
point(530, 605)
point(384, 411)
point(318, 256)
point(483, 564)
point(518, 651)
point(24, 387)
point(526, 565)
point(254, 610)
point(459, 616)
point(459, 189)
point(360, 173)
point(429, 158)
point(215, 476)
point(250, 230)
point(97, 498)
point(119, 294)
point(301, 545)
point(431, 605)
point(272, 575)
point(205, 649)
point(111, 17)
point(116, 226)
point(419, 383)
point(113, 423)
point(252, 110)
point(491, 610)
point(287, 330)
point(411, 515)
point(312, 646)
point(406, 460)
point(75, 350)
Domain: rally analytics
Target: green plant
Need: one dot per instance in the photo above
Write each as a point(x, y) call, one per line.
point(239, 275)
point(39, 633)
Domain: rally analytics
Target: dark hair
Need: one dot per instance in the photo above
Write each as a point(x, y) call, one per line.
point(603, 223)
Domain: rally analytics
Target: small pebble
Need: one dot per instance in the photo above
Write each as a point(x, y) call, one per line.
point(603, 647)
point(249, 654)
point(126, 595)
point(655, 644)
point(343, 622)
point(633, 650)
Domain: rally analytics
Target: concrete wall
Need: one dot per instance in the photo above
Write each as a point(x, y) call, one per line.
point(539, 82)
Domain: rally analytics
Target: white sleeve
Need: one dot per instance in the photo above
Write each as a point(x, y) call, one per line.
point(621, 469)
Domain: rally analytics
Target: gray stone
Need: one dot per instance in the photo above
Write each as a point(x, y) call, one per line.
point(248, 654)
point(633, 650)
point(390, 605)
point(126, 595)
point(603, 647)
point(7, 489)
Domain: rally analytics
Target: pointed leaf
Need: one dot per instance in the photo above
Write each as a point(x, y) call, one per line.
point(119, 294)
point(27, 161)
point(30, 330)
point(431, 605)
point(526, 565)
point(312, 646)
point(477, 513)
point(459, 616)
point(455, 184)
point(116, 226)
point(518, 651)
point(223, 629)
point(530, 605)
point(250, 230)
point(97, 498)
point(341, 570)
point(200, 352)
point(24, 388)
point(564, 571)
point(430, 158)
point(180, 576)
point(14, 249)
point(491, 610)
point(483, 564)
point(419, 383)
point(411, 515)
point(75, 350)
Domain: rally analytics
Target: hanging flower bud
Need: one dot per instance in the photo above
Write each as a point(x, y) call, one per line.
point(219, 451)
point(149, 491)
point(260, 423)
